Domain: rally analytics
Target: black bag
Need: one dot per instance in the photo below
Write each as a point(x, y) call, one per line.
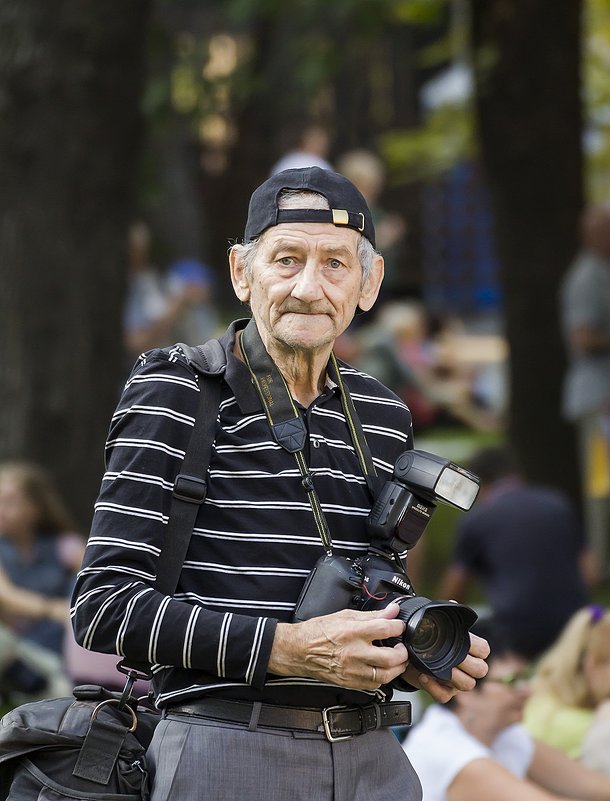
point(78, 748)
point(93, 745)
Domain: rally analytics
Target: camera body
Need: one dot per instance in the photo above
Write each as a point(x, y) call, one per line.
point(436, 632)
point(337, 582)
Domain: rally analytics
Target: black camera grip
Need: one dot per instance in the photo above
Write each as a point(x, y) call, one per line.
point(333, 584)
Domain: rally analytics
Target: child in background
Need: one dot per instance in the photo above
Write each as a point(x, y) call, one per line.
point(571, 682)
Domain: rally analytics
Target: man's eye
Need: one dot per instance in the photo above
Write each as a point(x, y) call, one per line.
point(335, 264)
point(286, 261)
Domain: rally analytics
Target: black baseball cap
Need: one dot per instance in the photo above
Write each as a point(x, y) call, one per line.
point(347, 205)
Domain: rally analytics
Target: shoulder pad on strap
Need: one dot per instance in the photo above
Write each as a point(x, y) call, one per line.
point(209, 358)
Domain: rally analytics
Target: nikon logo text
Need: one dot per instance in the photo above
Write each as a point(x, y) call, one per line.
point(401, 582)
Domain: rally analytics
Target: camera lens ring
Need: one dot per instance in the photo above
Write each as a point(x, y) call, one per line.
point(443, 632)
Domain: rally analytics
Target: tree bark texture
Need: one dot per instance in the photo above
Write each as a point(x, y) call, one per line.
point(527, 64)
point(70, 79)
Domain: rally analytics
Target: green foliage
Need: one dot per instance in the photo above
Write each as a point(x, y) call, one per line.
point(288, 58)
point(438, 52)
point(446, 138)
point(597, 97)
point(356, 12)
point(419, 12)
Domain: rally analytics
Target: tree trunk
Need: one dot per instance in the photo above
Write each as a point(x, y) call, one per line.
point(70, 78)
point(527, 58)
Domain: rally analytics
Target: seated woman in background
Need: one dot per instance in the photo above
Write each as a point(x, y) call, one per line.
point(571, 682)
point(39, 556)
point(474, 748)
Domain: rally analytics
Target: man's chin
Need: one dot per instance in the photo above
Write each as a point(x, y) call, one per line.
point(306, 331)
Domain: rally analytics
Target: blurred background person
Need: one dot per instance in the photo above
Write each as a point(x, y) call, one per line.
point(571, 682)
point(398, 348)
point(308, 145)
point(154, 310)
point(200, 320)
point(585, 311)
point(27, 671)
point(367, 172)
point(525, 548)
point(39, 556)
point(475, 748)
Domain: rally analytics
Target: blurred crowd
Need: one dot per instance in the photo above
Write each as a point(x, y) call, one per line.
point(165, 306)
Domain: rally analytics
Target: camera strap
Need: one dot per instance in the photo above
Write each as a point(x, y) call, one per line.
point(287, 425)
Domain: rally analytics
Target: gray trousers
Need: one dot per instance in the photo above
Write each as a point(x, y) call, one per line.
point(193, 759)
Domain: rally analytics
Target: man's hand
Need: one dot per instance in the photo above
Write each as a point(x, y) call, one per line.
point(463, 677)
point(338, 649)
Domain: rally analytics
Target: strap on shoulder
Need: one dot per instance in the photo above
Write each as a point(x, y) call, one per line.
point(190, 486)
point(208, 358)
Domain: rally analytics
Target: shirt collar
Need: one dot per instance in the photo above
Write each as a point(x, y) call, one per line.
point(236, 374)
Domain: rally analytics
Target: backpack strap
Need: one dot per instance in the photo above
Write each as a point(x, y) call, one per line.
point(190, 486)
point(207, 359)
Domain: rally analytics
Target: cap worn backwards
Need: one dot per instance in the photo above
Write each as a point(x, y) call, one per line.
point(347, 205)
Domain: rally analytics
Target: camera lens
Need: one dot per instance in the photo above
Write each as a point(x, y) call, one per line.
point(436, 634)
point(430, 635)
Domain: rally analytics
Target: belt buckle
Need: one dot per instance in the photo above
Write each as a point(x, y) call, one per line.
point(326, 723)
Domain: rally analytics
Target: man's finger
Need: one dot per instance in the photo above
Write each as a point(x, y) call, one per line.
point(479, 647)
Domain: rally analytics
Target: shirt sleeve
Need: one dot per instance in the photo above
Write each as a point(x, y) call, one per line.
point(115, 608)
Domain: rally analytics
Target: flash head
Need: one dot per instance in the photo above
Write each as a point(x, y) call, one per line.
point(404, 505)
point(436, 479)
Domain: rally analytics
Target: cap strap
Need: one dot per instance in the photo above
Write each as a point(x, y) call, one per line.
point(351, 219)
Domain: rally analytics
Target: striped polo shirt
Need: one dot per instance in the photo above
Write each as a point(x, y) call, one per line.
point(255, 539)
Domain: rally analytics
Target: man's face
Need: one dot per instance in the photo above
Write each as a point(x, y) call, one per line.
point(305, 284)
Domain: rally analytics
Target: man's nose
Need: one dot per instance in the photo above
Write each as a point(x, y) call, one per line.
point(308, 286)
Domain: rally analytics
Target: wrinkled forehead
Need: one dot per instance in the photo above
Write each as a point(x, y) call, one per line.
point(311, 237)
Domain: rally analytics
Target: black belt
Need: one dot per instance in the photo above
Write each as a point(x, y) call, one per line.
point(335, 722)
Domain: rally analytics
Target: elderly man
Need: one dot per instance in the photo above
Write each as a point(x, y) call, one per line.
point(257, 706)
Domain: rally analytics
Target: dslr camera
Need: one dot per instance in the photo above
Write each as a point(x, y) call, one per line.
point(436, 632)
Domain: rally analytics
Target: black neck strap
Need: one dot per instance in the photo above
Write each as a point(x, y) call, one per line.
point(287, 425)
point(355, 427)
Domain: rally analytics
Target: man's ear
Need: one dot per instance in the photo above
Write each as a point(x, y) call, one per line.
point(372, 285)
point(241, 285)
